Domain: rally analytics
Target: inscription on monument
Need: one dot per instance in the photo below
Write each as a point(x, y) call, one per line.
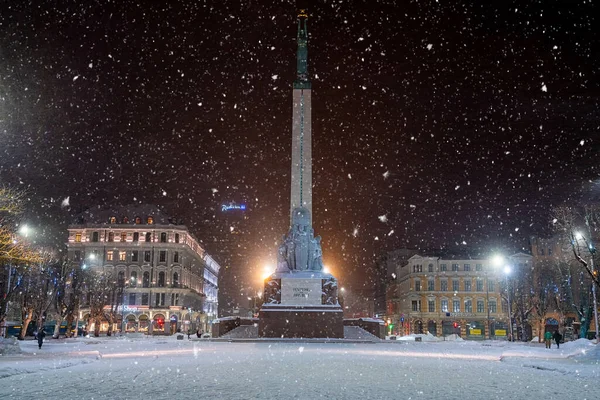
point(301, 291)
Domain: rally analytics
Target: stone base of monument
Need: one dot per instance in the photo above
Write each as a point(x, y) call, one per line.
point(301, 304)
point(300, 322)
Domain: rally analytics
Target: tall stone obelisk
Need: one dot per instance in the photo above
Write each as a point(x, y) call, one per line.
point(301, 189)
point(300, 297)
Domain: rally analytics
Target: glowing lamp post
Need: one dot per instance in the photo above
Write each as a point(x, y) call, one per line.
point(507, 272)
point(592, 250)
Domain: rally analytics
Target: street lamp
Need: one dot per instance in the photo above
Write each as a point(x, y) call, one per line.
point(592, 250)
point(507, 272)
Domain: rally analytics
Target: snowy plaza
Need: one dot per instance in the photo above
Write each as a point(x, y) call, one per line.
point(144, 367)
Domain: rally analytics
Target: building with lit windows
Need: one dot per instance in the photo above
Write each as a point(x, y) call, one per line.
point(448, 295)
point(169, 281)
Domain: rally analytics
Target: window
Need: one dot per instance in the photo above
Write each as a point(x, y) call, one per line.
point(479, 284)
point(161, 279)
point(431, 306)
point(541, 251)
point(95, 236)
point(146, 279)
point(431, 285)
point(109, 255)
point(113, 220)
point(146, 256)
point(504, 307)
point(549, 251)
point(492, 305)
point(177, 238)
point(455, 284)
point(467, 267)
point(133, 280)
point(430, 268)
point(123, 236)
point(162, 256)
point(159, 299)
point(479, 306)
point(134, 256)
point(144, 299)
point(454, 267)
point(111, 236)
point(136, 236)
point(163, 237)
point(491, 286)
point(121, 278)
point(174, 299)
point(77, 255)
point(469, 306)
point(455, 305)
point(150, 220)
point(78, 237)
point(122, 256)
point(138, 220)
point(443, 267)
point(176, 257)
point(478, 267)
point(148, 236)
point(444, 285)
point(444, 305)
point(416, 305)
point(417, 285)
point(131, 299)
point(468, 285)
point(175, 279)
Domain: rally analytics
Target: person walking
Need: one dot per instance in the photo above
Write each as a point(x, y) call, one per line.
point(557, 338)
point(40, 337)
point(548, 339)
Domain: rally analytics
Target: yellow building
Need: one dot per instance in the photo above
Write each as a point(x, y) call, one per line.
point(445, 296)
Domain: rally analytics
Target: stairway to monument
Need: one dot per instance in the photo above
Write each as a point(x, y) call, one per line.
point(358, 333)
point(242, 332)
point(350, 333)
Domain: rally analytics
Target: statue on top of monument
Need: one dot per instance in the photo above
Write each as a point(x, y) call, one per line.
point(301, 237)
point(299, 249)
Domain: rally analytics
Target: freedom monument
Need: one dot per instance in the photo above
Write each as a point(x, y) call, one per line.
point(300, 300)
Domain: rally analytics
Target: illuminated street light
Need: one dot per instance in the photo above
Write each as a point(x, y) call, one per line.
point(592, 250)
point(507, 272)
point(267, 271)
point(326, 270)
point(497, 260)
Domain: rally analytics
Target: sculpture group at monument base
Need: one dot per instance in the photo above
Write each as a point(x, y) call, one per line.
point(277, 321)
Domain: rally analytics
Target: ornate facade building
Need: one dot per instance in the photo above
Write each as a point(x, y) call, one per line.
point(448, 295)
point(167, 280)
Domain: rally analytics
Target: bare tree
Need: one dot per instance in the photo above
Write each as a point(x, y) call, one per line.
point(105, 293)
point(15, 254)
point(37, 291)
point(579, 229)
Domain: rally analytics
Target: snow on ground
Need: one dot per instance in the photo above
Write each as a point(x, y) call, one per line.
point(163, 367)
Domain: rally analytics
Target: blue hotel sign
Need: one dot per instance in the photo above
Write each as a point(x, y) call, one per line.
point(227, 207)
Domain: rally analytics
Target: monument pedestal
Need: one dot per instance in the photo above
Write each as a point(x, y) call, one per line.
point(301, 322)
point(301, 304)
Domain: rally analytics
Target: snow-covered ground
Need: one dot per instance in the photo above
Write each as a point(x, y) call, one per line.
point(146, 367)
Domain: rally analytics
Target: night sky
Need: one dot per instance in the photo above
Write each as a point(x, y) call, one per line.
point(435, 124)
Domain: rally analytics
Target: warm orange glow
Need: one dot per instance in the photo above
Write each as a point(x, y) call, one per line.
point(267, 271)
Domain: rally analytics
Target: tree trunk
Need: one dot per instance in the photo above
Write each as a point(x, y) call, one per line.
point(69, 324)
point(97, 327)
point(25, 324)
point(56, 333)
